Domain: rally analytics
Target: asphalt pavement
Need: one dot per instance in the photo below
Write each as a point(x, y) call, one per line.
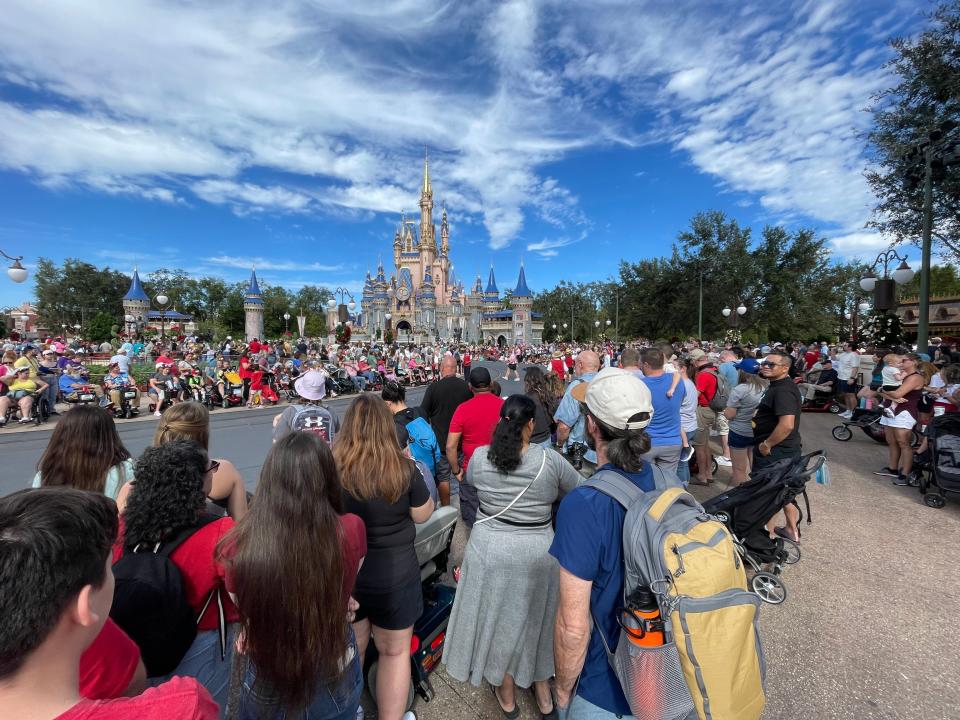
point(868, 628)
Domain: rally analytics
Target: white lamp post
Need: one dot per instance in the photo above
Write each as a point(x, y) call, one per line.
point(16, 272)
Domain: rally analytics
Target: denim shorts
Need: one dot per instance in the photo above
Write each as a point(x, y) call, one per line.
point(736, 440)
point(331, 702)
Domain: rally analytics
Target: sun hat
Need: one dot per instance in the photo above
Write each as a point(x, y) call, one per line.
point(748, 365)
point(311, 385)
point(616, 397)
point(696, 354)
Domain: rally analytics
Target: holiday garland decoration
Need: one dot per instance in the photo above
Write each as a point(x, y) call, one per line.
point(342, 333)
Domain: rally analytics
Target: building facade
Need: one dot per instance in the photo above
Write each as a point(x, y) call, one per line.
point(422, 300)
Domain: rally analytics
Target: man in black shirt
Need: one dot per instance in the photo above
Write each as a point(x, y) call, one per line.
point(825, 380)
point(443, 397)
point(776, 426)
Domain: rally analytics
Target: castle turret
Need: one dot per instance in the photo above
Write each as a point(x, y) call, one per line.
point(253, 309)
point(522, 306)
point(136, 302)
point(491, 296)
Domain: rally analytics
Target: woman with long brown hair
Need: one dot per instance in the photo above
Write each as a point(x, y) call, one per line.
point(191, 421)
point(85, 452)
point(291, 565)
point(387, 491)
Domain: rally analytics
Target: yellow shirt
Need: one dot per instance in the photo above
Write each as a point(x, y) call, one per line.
point(28, 385)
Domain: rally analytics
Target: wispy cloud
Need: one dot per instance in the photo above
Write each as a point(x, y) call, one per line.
point(260, 263)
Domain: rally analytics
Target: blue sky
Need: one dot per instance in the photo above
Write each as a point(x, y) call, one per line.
point(216, 135)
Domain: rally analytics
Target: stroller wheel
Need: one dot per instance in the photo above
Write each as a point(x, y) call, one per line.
point(842, 433)
point(934, 500)
point(769, 588)
point(791, 551)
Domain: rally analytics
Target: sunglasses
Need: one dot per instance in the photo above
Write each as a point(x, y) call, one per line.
point(214, 466)
point(768, 364)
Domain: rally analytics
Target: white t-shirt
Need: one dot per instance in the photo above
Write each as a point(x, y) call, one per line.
point(117, 476)
point(847, 364)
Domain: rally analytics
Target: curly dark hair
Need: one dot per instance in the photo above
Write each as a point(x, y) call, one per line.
point(167, 494)
point(507, 442)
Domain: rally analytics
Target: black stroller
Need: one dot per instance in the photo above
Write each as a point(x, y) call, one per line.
point(940, 474)
point(746, 510)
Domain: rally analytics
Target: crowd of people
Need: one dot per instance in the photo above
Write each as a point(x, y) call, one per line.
point(155, 586)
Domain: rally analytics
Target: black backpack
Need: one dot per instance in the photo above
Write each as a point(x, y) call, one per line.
point(150, 603)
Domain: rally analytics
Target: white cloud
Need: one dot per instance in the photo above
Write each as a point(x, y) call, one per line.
point(249, 197)
point(246, 263)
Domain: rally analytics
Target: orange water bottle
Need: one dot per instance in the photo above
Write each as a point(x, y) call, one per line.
point(641, 620)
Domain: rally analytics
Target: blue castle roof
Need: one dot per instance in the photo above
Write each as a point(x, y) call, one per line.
point(136, 291)
point(521, 290)
point(492, 283)
point(253, 290)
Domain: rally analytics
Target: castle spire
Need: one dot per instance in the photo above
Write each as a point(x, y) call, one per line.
point(426, 172)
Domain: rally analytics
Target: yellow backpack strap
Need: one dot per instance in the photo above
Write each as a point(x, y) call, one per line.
point(663, 503)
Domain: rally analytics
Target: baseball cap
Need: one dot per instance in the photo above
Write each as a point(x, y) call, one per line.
point(480, 377)
point(748, 365)
point(696, 354)
point(49, 351)
point(616, 398)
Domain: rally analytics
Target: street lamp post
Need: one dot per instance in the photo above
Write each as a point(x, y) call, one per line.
point(884, 289)
point(554, 326)
point(162, 301)
point(286, 323)
point(76, 330)
point(16, 272)
point(343, 308)
point(596, 324)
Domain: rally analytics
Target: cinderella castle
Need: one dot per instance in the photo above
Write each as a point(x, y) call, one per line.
point(422, 300)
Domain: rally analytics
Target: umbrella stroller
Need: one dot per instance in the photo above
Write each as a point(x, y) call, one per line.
point(746, 510)
point(941, 473)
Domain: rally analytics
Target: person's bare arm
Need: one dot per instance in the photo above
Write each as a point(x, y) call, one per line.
point(785, 425)
point(563, 432)
point(571, 635)
point(423, 513)
point(730, 413)
point(228, 484)
point(453, 444)
point(914, 382)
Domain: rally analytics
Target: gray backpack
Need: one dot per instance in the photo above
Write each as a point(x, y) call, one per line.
point(711, 662)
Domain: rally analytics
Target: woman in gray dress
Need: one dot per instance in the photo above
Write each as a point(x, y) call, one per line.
point(501, 628)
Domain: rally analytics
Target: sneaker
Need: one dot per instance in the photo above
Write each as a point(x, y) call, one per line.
point(888, 413)
point(846, 415)
point(157, 413)
point(686, 453)
point(914, 480)
point(26, 421)
point(723, 460)
point(887, 472)
point(901, 480)
point(409, 715)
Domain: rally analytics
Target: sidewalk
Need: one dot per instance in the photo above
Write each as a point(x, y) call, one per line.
point(868, 627)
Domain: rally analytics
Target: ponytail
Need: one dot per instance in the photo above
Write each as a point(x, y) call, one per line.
point(507, 443)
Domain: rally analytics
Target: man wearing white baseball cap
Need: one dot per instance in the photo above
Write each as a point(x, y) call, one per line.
point(588, 545)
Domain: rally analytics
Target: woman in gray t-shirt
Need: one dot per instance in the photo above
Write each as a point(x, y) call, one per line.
point(741, 406)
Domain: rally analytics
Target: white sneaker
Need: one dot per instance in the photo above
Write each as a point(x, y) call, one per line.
point(722, 460)
point(156, 413)
point(409, 715)
point(846, 415)
point(888, 413)
point(360, 714)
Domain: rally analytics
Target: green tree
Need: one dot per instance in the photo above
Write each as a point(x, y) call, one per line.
point(75, 291)
point(926, 94)
point(944, 280)
point(100, 327)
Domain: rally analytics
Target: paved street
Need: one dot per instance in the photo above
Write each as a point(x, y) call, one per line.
point(868, 628)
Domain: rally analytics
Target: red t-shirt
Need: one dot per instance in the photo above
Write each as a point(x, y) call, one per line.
point(107, 666)
point(181, 698)
point(466, 359)
point(475, 420)
point(354, 546)
point(706, 386)
point(810, 358)
point(569, 362)
point(200, 572)
point(556, 365)
point(254, 347)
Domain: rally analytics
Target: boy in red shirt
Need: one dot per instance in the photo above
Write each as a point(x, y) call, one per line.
point(56, 589)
